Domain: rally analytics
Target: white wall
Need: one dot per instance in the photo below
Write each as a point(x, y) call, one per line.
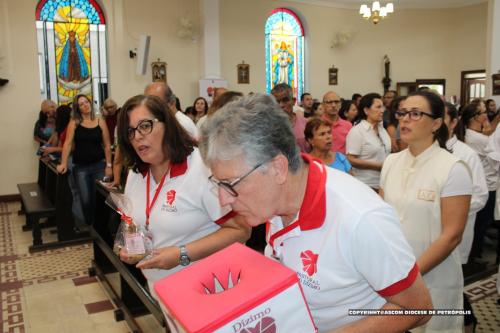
point(421, 44)
point(126, 21)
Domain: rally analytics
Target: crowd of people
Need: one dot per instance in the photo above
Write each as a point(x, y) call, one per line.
point(391, 194)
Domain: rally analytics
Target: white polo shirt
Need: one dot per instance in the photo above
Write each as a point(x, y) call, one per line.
point(367, 145)
point(346, 246)
point(186, 208)
point(479, 142)
point(479, 191)
point(187, 124)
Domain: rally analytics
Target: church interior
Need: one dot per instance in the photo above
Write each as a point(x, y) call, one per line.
point(56, 278)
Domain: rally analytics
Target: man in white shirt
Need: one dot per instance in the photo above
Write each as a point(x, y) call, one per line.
point(343, 241)
point(162, 90)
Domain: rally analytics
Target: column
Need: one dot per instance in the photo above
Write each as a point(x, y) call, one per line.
point(211, 35)
point(493, 46)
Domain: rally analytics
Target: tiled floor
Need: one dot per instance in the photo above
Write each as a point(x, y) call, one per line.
point(50, 291)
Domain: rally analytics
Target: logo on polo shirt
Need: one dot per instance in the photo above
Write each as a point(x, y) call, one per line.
point(169, 204)
point(170, 197)
point(309, 260)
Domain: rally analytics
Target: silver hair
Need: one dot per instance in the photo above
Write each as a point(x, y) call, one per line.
point(253, 127)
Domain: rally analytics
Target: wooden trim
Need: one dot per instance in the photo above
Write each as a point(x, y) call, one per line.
point(462, 83)
point(10, 198)
point(433, 81)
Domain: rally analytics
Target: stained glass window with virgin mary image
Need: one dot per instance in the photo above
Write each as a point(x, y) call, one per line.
point(72, 50)
point(284, 50)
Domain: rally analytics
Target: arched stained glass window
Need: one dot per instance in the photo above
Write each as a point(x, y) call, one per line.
point(284, 50)
point(71, 37)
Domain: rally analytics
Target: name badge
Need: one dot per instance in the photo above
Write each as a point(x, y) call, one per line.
point(426, 195)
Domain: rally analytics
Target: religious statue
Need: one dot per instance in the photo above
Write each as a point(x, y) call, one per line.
point(386, 81)
point(73, 66)
point(283, 67)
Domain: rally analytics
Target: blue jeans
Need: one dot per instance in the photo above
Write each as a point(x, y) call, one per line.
point(85, 176)
point(76, 207)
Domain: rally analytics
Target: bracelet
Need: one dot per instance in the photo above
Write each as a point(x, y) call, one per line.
point(108, 165)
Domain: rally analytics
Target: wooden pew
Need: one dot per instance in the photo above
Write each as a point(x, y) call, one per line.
point(131, 298)
point(53, 199)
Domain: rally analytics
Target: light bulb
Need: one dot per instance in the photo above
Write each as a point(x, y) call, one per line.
point(362, 9)
point(390, 8)
point(376, 6)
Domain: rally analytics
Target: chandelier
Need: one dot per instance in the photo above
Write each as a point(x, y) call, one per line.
point(377, 12)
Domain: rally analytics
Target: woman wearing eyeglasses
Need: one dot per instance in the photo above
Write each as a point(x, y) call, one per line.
point(368, 144)
point(91, 154)
point(470, 130)
point(170, 191)
point(431, 191)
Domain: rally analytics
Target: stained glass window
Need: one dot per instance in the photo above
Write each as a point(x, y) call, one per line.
point(284, 50)
point(71, 38)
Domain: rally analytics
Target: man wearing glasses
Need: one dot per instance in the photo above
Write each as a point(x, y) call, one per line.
point(340, 127)
point(343, 241)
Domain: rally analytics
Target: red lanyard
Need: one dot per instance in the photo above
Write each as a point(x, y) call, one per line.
point(158, 190)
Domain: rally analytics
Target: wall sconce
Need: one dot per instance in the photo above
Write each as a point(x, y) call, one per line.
point(132, 54)
point(3, 82)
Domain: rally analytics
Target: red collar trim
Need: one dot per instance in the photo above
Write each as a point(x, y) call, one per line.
point(177, 169)
point(313, 209)
point(312, 212)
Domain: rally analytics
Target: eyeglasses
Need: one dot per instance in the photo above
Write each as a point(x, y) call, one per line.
point(144, 127)
point(414, 114)
point(229, 186)
point(334, 101)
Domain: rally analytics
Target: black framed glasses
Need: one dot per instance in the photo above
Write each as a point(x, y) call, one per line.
point(229, 186)
point(144, 127)
point(414, 114)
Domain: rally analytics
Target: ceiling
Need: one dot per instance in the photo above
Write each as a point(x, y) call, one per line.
point(397, 3)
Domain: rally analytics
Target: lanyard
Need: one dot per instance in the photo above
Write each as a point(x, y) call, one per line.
point(158, 190)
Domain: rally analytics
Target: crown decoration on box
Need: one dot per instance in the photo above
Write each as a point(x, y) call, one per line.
point(219, 287)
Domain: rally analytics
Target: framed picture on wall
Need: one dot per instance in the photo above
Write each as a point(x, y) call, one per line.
point(243, 71)
point(495, 84)
point(333, 76)
point(159, 71)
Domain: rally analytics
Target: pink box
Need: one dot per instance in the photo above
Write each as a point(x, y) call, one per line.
point(263, 295)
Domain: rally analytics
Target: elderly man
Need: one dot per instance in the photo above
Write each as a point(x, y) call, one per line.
point(284, 96)
point(162, 90)
point(340, 127)
point(109, 111)
point(344, 242)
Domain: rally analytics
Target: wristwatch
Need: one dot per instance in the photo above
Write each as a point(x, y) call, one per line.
point(184, 258)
